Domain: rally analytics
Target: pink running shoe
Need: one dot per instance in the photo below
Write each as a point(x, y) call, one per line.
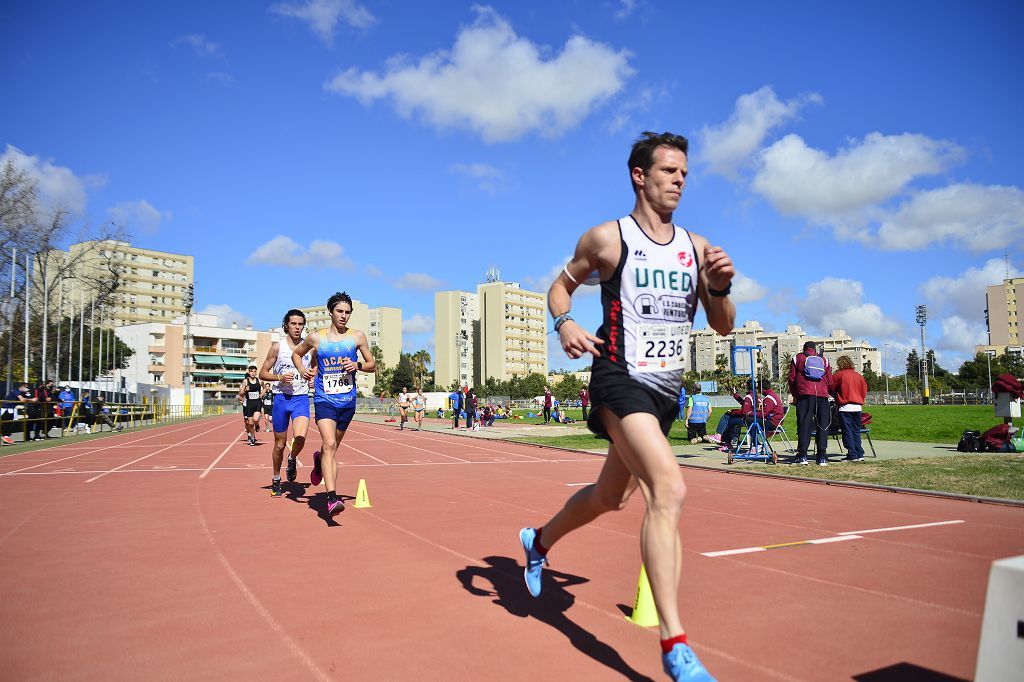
point(335, 508)
point(316, 475)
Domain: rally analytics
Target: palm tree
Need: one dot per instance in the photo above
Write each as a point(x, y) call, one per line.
point(420, 360)
point(378, 359)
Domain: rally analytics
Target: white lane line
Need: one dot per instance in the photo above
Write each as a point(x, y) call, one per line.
point(578, 485)
point(892, 528)
point(839, 537)
point(433, 452)
point(362, 453)
point(173, 445)
point(219, 457)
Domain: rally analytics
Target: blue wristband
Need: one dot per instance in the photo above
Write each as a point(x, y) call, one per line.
point(561, 319)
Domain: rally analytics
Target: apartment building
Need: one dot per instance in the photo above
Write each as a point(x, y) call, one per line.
point(382, 326)
point(498, 332)
point(219, 355)
point(456, 337)
point(706, 346)
point(153, 284)
point(513, 331)
point(1001, 317)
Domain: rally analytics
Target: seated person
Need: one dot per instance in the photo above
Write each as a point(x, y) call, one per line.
point(769, 410)
point(440, 413)
point(487, 416)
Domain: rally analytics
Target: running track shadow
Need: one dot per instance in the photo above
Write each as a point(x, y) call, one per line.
point(505, 576)
point(296, 492)
point(906, 672)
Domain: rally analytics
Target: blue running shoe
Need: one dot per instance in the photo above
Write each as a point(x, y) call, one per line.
point(534, 561)
point(682, 665)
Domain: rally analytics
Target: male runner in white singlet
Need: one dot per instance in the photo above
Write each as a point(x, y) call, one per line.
point(652, 274)
point(291, 395)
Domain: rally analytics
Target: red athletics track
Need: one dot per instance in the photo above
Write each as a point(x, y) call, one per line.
point(160, 554)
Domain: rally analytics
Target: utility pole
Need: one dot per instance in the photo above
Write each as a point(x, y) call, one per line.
point(189, 300)
point(922, 319)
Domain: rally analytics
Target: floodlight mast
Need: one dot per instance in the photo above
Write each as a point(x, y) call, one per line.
point(922, 319)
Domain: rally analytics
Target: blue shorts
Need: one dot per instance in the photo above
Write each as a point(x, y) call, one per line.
point(288, 407)
point(341, 416)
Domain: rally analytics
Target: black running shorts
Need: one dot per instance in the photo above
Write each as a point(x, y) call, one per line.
point(623, 396)
point(251, 407)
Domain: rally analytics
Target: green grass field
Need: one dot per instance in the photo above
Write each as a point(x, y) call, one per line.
point(915, 423)
point(995, 475)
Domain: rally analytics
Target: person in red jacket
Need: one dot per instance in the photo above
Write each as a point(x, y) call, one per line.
point(810, 383)
point(850, 392)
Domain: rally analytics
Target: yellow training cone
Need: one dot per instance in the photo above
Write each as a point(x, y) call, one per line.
point(644, 613)
point(363, 500)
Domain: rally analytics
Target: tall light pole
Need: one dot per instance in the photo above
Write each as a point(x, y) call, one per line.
point(988, 357)
point(189, 300)
point(922, 319)
point(885, 350)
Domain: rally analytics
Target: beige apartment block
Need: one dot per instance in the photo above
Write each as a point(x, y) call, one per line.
point(513, 331)
point(1001, 311)
point(778, 347)
point(382, 326)
point(456, 334)
point(152, 283)
point(219, 355)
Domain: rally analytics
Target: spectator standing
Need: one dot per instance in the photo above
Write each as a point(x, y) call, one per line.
point(810, 383)
point(850, 391)
point(470, 408)
point(455, 397)
point(19, 396)
point(67, 405)
point(698, 411)
point(584, 401)
point(547, 405)
point(45, 400)
point(682, 402)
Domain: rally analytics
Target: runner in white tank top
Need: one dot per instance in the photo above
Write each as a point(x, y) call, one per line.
point(291, 396)
point(652, 274)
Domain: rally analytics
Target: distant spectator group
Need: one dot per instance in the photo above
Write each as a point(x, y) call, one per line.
point(44, 409)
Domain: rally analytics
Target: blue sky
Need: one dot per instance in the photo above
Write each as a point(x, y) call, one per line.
point(854, 160)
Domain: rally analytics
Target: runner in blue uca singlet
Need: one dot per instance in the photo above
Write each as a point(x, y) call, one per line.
point(334, 389)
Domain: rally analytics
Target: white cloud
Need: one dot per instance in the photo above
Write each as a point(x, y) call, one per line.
point(836, 303)
point(323, 16)
point(626, 7)
point(746, 289)
point(800, 180)
point(965, 295)
point(418, 324)
point(226, 315)
point(632, 103)
point(57, 186)
point(975, 217)
point(286, 252)
point(960, 336)
point(137, 216)
point(373, 270)
point(489, 179)
point(495, 82)
point(729, 146)
point(418, 281)
point(200, 45)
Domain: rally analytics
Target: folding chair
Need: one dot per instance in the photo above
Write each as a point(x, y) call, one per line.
point(780, 430)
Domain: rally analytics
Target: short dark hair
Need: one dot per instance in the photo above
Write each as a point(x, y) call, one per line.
point(337, 298)
point(809, 345)
point(642, 154)
point(294, 312)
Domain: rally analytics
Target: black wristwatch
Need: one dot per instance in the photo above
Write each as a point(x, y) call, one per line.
point(720, 292)
point(359, 364)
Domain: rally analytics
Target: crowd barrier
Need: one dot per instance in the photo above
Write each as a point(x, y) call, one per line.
point(20, 424)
